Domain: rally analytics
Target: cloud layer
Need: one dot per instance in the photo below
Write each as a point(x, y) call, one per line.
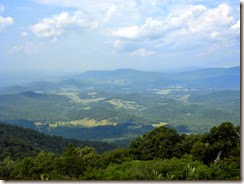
point(144, 28)
point(120, 33)
point(191, 26)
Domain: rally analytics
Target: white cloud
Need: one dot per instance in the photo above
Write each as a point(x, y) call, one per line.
point(187, 28)
point(110, 11)
point(28, 48)
point(194, 19)
point(142, 52)
point(212, 19)
point(236, 26)
point(138, 24)
point(52, 27)
point(5, 21)
point(58, 24)
point(127, 32)
point(155, 26)
point(115, 12)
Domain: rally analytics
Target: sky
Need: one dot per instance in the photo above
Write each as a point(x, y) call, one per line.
point(80, 35)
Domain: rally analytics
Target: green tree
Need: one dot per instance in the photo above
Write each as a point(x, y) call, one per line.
point(199, 150)
point(6, 167)
point(70, 164)
point(223, 138)
point(158, 143)
point(43, 168)
point(186, 144)
point(23, 169)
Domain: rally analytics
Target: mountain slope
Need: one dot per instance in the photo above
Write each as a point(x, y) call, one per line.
point(21, 142)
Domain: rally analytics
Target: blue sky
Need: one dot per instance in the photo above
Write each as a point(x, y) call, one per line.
point(78, 35)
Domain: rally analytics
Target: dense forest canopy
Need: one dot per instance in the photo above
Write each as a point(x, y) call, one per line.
point(160, 154)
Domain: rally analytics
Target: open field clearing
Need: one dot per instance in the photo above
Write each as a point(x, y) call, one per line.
point(156, 125)
point(82, 122)
point(74, 96)
point(118, 103)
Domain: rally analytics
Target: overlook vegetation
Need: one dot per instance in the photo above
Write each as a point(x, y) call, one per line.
point(160, 154)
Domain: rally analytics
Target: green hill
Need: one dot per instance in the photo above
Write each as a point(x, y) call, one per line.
point(18, 142)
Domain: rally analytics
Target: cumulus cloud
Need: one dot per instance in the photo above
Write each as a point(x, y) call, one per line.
point(194, 25)
point(142, 52)
point(5, 21)
point(54, 26)
point(195, 19)
point(58, 24)
point(155, 26)
point(96, 14)
point(212, 19)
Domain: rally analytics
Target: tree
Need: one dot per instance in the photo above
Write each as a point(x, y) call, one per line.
point(23, 169)
point(6, 167)
point(186, 144)
point(199, 151)
point(70, 164)
point(158, 143)
point(224, 138)
point(117, 156)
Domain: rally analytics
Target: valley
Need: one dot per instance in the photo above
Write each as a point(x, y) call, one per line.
point(116, 106)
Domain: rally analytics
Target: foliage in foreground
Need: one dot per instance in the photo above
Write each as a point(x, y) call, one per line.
point(161, 154)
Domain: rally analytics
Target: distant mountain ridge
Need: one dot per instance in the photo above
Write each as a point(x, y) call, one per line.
point(210, 77)
point(220, 78)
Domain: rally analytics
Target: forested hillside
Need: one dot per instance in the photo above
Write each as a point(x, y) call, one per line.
point(160, 154)
point(18, 143)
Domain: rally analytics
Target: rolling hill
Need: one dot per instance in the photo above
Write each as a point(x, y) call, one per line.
point(19, 142)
